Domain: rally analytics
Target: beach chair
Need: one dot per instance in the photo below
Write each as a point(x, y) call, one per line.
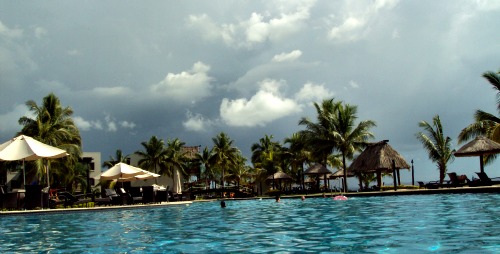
point(70, 200)
point(485, 180)
point(148, 194)
point(136, 195)
point(457, 180)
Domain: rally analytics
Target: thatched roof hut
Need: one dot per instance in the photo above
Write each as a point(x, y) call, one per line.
point(340, 173)
point(480, 146)
point(278, 176)
point(378, 157)
point(317, 169)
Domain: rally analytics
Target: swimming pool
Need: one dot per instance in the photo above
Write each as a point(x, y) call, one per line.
point(415, 224)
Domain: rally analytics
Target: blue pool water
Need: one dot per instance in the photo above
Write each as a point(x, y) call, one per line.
point(467, 223)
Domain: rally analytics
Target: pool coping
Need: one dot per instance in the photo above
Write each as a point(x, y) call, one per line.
point(400, 192)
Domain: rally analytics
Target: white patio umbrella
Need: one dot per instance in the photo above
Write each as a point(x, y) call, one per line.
point(26, 148)
point(121, 171)
point(177, 182)
point(143, 176)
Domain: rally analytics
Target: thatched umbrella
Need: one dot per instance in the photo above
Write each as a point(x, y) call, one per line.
point(279, 176)
point(378, 157)
point(318, 169)
point(480, 146)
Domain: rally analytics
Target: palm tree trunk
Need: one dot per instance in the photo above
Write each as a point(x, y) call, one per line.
point(345, 172)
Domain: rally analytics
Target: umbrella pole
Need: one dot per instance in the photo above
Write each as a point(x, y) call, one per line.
point(24, 176)
point(481, 163)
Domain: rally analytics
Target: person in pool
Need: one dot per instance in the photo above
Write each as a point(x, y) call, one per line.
point(223, 204)
point(277, 199)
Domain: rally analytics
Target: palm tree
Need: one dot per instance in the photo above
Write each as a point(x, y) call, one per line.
point(351, 138)
point(298, 155)
point(203, 159)
point(175, 159)
point(265, 155)
point(239, 172)
point(336, 129)
point(224, 154)
point(114, 160)
point(54, 126)
point(153, 156)
point(485, 124)
point(436, 144)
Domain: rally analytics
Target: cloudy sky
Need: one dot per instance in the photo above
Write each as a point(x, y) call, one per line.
point(193, 69)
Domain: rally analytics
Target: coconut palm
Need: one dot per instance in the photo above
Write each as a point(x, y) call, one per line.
point(436, 144)
point(119, 157)
point(265, 155)
point(298, 155)
point(336, 129)
point(153, 156)
point(224, 154)
point(239, 172)
point(203, 159)
point(175, 159)
point(52, 124)
point(485, 124)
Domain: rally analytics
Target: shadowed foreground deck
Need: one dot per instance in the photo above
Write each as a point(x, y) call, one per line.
point(457, 190)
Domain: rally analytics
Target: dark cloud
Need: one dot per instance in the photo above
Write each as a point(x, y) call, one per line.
point(167, 68)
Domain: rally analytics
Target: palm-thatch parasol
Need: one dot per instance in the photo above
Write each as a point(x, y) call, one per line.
point(318, 169)
point(340, 173)
point(279, 176)
point(480, 146)
point(378, 157)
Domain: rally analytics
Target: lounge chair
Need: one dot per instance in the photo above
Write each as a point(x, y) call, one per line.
point(148, 194)
point(116, 199)
point(70, 200)
point(432, 185)
point(484, 180)
point(136, 195)
point(457, 180)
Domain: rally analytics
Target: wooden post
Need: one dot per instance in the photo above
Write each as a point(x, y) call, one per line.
point(394, 175)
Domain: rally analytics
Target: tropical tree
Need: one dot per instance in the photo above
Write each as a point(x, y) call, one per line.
point(485, 124)
point(203, 159)
point(436, 144)
point(119, 157)
point(224, 154)
point(336, 129)
point(52, 124)
point(298, 154)
point(265, 155)
point(153, 156)
point(239, 172)
point(175, 159)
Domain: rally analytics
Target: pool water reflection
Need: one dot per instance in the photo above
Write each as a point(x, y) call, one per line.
point(413, 224)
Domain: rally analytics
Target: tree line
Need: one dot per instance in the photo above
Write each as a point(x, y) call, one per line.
point(333, 138)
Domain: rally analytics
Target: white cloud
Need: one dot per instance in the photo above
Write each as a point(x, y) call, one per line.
point(127, 125)
point(264, 107)
point(354, 25)
point(10, 33)
point(9, 121)
point(196, 122)
point(188, 86)
point(85, 125)
point(74, 52)
point(313, 92)
point(353, 84)
point(112, 91)
point(286, 57)
point(257, 29)
point(40, 32)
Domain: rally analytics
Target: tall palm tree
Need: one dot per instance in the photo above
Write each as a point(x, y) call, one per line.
point(436, 144)
point(203, 159)
point(153, 156)
point(485, 124)
point(224, 154)
point(351, 138)
point(119, 157)
point(54, 126)
point(239, 172)
point(298, 155)
point(336, 129)
point(265, 155)
point(175, 159)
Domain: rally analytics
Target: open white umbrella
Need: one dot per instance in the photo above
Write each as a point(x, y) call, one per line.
point(143, 176)
point(121, 171)
point(26, 148)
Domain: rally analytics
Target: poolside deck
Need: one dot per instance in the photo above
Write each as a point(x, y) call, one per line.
point(96, 208)
point(452, 190)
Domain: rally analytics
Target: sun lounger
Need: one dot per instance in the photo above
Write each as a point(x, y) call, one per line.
point(456, 180)
point(136, 194)
point(70, 200)
point(485, 180)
